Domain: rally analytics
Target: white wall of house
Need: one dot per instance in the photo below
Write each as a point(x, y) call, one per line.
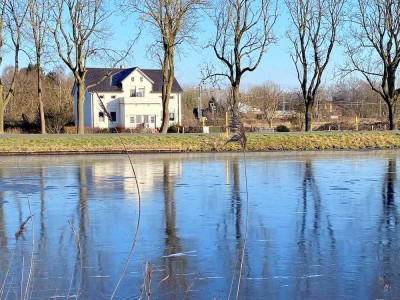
point(135, 105)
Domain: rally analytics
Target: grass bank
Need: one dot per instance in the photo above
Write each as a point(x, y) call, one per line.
point(111, 143)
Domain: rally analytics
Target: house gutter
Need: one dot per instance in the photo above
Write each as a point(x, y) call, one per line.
point(92, 108)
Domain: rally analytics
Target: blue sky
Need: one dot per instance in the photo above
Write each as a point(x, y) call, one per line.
point(275, 66)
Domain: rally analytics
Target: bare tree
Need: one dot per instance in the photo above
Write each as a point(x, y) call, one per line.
point(39, 14)
point(80, 33)
point(266, 99)
point(173, 22)
point(243, 33)
point(313, 33)
point(13, 13)
point(373, 49)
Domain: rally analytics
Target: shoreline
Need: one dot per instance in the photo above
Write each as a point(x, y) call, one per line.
point(68, 144)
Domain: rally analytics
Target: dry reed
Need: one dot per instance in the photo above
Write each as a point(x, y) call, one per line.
point(80, 260)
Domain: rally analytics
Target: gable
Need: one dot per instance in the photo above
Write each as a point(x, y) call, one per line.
point(137, 77)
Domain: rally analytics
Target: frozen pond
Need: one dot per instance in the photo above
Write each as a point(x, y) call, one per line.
point(320, 226)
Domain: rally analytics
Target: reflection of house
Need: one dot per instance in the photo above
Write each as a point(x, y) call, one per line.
point(132, 96)
point(107, 175)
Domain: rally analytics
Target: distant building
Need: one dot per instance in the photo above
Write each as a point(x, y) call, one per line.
point(132, 96)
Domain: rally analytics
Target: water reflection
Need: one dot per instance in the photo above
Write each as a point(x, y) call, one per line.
point(3, 237)
point(236, 201)
point(388, 246)
point(318, 227)
point(174, 261)
point(315, 235)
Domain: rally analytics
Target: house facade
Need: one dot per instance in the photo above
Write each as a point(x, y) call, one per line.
point(132, 96)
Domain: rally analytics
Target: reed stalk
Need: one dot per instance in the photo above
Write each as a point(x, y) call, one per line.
point(81, 263)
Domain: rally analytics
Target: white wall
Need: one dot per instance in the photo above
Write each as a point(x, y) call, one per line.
point(126, 106)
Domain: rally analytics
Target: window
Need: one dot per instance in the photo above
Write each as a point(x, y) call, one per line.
point(140, 92)
point(113, 116)
point(133, 92)
point(132, 119)
point(101, 116)
point(133, 79)
point(141, 79)
point(101, 96)
point(172, 116)
point(139, 119)
point(145, 119)
point(171, 97)
point(152, 119)
point(113, 97)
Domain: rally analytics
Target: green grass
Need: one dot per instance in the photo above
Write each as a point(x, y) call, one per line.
point(19, 144)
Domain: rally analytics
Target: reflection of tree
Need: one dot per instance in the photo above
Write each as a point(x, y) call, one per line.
point(389, 185)
point(311, 239)
point(42, 238)
point(236, 209)
point(82, 205)
point(388, 228)
point(3, 236)
point(175, 265)
point(236, 201)
point(82, 214)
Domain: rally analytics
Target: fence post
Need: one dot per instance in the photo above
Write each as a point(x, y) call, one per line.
point(356, 123)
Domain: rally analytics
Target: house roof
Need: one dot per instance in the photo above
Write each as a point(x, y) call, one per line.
point(114, 77)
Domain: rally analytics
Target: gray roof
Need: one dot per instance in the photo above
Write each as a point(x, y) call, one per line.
point(114, 77)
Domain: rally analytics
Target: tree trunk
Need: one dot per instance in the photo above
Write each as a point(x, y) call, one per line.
point(41, 112)
point(80, 108)
point(235, 99)
point(1, 109)
point(165, 112)
point(39, 87)
point(1, 120)
point(168, 79)
point(392, 114)
point(308, 117)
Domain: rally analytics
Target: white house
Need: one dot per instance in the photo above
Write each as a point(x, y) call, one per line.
point(132, 96)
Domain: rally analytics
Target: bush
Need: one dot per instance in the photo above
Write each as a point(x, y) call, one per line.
point(174, 129)
point(69, 129)
point(282, 128)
